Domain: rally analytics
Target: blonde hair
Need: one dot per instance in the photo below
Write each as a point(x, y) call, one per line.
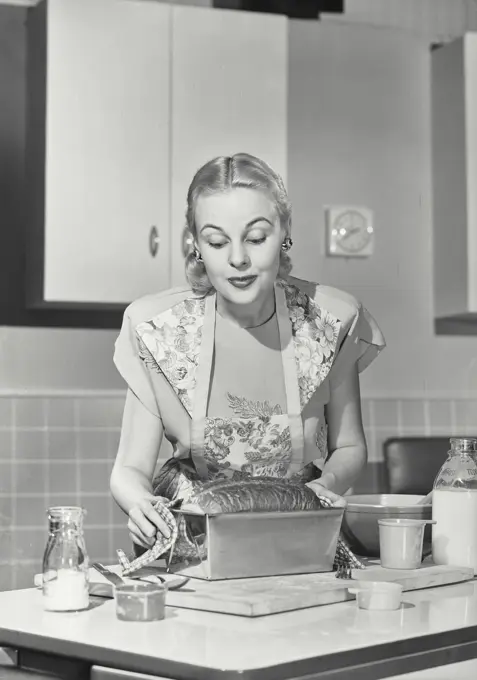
point(221, 174)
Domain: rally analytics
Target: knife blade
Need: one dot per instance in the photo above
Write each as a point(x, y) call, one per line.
point(108, 574)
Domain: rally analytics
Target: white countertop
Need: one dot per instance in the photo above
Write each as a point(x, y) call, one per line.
point(465, 670)
point(206, 645)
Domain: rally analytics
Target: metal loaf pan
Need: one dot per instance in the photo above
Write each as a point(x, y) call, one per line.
point(249, 544)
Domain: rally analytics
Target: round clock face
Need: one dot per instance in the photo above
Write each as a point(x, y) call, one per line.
point(353, 233)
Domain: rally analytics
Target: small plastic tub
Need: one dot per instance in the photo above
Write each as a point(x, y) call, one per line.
point(379, 595)
point(400, 542)
point(140, 601)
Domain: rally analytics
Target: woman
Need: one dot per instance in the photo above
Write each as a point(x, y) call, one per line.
point(249, 371)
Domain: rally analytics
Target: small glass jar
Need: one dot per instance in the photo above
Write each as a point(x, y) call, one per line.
point(454, 506)
point(65, 561)
point(140, 601)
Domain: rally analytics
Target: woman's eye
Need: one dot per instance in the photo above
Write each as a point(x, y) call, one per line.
point(216, 245)
point(257, 241)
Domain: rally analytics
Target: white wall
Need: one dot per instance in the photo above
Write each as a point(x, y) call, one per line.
point(360, 133)
point(46, 359)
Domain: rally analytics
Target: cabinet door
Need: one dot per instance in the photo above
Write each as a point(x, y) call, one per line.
point(229, 95)
point(106, 157)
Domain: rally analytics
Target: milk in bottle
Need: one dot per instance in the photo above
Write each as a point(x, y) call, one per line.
point(454, 506)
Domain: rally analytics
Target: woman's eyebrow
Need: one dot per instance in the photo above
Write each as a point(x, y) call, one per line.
point(258, 219)
point(249, 225)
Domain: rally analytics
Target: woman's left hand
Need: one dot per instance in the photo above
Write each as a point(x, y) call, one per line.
point(321, 490)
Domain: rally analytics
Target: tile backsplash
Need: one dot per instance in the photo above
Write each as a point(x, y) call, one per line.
point(60, 449)
point(56, 451)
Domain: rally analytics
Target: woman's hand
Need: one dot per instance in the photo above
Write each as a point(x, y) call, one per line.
point(321, 490)
point(144, 523)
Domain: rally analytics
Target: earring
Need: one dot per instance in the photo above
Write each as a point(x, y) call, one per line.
point(197, 255)
point(287, 244)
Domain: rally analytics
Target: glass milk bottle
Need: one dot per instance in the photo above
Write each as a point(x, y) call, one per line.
point(454, 506)
point(65, 561)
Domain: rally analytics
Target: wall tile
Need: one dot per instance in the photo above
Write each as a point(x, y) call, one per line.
point(466, 416)
point(385, 413)
point(6, 573)
point(6, 412)
point(31, 511)
point(440, 414)
point(412, 411)
point(120, 539)
point(5, 444)
point(7, 545)
point(60, 412)
point(118, 517)
point(30, 544)
point(97, 508)
point(100, 412)
point(30, 477)
point(6, 513)
point(29, 412)
point(6, 469)
point(97, 543)
point(24, 574)
point(63, 478)
point(57, 499)
point(93, 445)
point(61, 445)
point(30, 444)
point(94, 477)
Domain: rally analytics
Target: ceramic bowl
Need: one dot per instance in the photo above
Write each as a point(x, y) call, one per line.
point(360, 520)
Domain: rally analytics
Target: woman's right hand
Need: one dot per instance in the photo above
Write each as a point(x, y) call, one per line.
point(144, 523)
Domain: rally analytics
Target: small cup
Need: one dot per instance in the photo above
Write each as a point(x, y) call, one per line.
point(400, 542)
point(378, 595)
point(140, 601)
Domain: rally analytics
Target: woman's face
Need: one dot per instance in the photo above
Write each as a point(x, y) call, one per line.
point(239, 237)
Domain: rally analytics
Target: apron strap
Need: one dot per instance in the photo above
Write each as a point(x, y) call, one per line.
point(201, 391)
point(292, 389)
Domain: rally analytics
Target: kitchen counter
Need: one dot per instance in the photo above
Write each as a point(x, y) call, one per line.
point(433, 627)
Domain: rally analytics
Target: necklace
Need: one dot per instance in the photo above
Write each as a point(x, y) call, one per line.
point(246, 328)
point(260, 324)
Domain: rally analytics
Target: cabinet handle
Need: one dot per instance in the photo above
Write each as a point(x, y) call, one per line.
point(154, 241)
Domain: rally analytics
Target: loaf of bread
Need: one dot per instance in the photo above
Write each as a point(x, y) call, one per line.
point(255, 494)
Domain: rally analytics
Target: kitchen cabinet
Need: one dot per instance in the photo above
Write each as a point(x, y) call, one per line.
point(229, 95)
point(454, 162)
point(98, 149)
point(127, 101)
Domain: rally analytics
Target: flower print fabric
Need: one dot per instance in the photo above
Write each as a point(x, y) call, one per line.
point(173, 346)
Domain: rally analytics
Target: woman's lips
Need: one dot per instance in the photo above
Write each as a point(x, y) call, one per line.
point(241, 281)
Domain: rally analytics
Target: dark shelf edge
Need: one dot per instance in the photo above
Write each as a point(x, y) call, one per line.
point(458, 324)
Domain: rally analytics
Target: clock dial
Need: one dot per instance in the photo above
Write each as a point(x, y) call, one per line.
point(353, 233)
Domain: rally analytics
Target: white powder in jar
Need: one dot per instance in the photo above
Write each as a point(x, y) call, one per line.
point(67, 592)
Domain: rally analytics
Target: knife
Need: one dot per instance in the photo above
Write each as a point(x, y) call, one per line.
point(107, 573)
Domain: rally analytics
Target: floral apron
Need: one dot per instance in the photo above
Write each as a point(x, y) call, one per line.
point(181, 341)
